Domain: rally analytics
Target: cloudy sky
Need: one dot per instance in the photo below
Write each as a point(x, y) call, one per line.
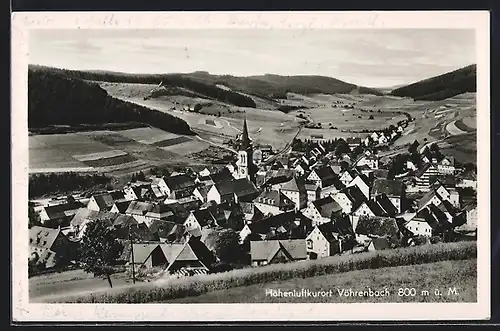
point(374, 58)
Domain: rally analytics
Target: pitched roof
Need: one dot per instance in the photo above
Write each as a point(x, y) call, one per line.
point(117, 195)
point(122, 206)
point(386, 204)
point(355, 195)
point(374, 207)
point(274, 198)
point(143, 251)
point(179, 182)
point(426, 198)
point(389, 187)
point(139, 208)
point(203, 190)
point(325, 173)
point(423, 170)
point(293, 185)
point(221, 175)
point(267, 249)
point(85, 214)
point(329, 231)
point(104, 200)
point(380, 244)
point(327, 206)
point(287, 220)
point(63, 210)
point(43, 237)
point(124, 221)
point(378, 226)
point(243, 187)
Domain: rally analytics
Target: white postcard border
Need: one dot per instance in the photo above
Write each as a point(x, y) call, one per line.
point(25, 311)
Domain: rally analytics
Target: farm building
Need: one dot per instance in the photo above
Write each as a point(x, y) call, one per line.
point(277, 251)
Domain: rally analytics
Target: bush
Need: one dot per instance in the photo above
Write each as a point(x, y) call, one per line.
point(200, 284)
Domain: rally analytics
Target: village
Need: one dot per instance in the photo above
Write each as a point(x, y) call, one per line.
point(320, 199)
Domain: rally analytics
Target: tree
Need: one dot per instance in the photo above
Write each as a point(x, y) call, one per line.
point(33, 217)
point(225, 243)
point(371, 117)
point(140, 176)
point(413, 147)
point(99, 250)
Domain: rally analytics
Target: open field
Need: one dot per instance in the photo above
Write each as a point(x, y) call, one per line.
point(71, 281)
point(276, 128)
point(165, 289)
point(461, 275)
point(113, 152)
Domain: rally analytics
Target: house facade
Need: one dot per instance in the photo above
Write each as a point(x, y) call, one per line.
point(322, 242)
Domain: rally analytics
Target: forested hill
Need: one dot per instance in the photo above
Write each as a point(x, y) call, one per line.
point(265, 86)
point(55, 99)
point(442, 86)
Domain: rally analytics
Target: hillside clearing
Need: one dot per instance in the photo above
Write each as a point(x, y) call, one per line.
point(461, 275)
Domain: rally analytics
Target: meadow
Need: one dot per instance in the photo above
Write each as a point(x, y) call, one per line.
point(113, 152)
point(461, 274)
point(167, 289)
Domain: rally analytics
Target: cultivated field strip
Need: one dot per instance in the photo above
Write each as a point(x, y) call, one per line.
point(112, 161)
point(187, 148)
point(147, 135)
point(100, 155)
point(123, 166)
point(171, 142)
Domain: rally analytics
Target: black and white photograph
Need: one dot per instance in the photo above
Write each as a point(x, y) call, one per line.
point(288, 165)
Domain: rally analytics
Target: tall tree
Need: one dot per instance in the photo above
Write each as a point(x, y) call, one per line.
point(225, 243)
point(33, 218)
point(99, 250)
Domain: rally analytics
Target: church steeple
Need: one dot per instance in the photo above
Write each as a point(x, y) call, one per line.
point(246, 167)
point(245, 140)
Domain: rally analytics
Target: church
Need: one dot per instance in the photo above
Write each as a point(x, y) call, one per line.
point(246, 167)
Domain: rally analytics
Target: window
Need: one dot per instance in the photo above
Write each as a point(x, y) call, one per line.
point(310, 244)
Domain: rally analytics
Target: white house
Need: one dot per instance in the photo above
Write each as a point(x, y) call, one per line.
point(374, 136)
point(313, 192)
point(392, 188)
point(382, 139)
point(369, 160)
point(273, 202)
point(447, 165)
point(322, 210)
point(362, 183)
point(322, 177)
point(205, 172)
point(323, 241)
point(419, 227)
point(100, 202)
point(295, 190)
point(367, 208)
point(221, 193)
point(347, 176)
point(411, 166)
point(129, 193)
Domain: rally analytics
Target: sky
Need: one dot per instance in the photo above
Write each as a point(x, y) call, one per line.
point(369, 57)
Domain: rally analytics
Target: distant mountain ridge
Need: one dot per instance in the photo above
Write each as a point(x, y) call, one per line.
point(267, 86)
point(441, 87)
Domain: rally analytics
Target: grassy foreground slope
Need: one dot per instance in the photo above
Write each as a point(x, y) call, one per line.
point(460, 275)
point(168, 289)
point(441, 87)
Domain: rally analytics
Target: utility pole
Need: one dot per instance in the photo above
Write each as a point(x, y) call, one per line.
point(131, 252)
